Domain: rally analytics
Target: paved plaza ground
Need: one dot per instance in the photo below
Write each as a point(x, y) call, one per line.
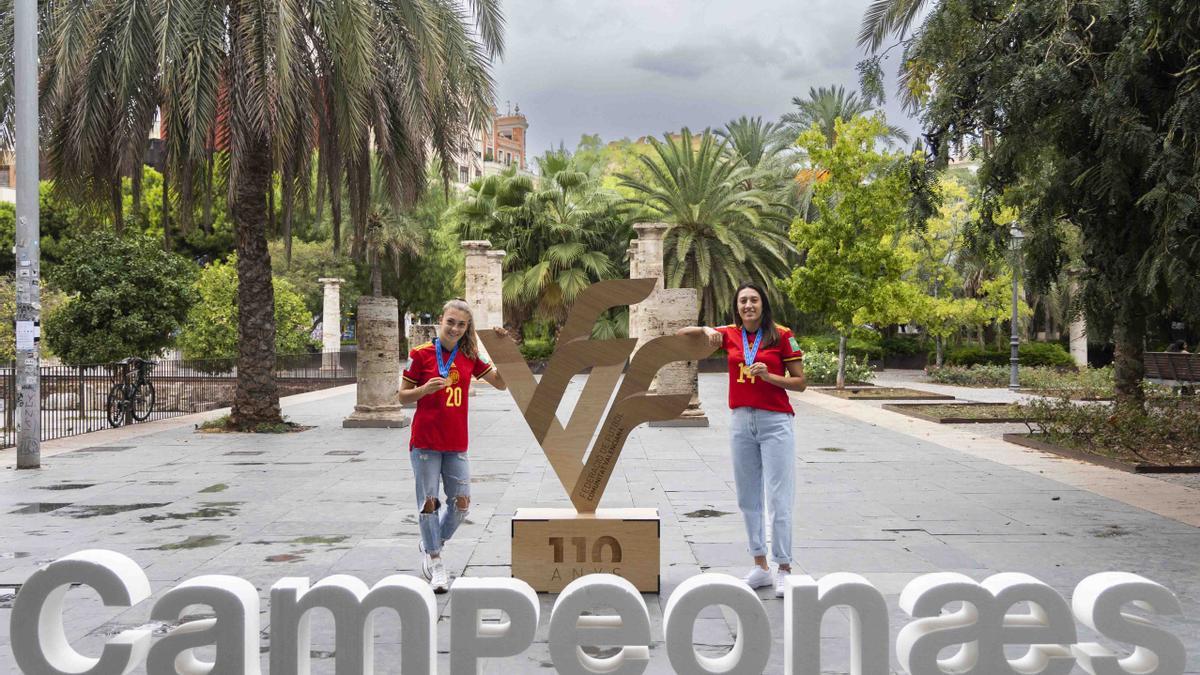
point(880, 494)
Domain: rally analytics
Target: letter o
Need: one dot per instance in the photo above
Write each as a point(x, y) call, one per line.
point(752, 649)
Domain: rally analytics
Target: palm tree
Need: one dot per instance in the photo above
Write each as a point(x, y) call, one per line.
point(390, 233)
point(824, 105)
point(722, 233)
point(887, 17)
point(560, 233)
point(754, 141)
point(261, 80)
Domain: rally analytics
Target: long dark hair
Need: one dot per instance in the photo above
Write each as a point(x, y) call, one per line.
point(770, 333)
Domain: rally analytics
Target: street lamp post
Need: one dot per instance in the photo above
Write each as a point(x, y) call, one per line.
point(28, 256)
point(1015, 339)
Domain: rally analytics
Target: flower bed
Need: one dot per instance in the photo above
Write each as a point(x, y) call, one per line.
point(1163, 437)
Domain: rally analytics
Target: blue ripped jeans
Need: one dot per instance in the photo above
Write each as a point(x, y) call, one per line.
point(431, 467)
point(764, 462)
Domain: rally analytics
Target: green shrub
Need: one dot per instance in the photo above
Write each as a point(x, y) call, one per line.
point(1087, 383)
point(537, 350)
point(821, 368)
point(1167, 432)
point(902, 345)
point(212, 323)
point(857, 347)
point(128, 297)
point(975, 376)
point(1030, 354)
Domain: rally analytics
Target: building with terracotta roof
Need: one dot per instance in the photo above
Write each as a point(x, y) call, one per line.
point(495, 149)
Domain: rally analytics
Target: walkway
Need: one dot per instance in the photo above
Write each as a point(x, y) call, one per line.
point(880, 494)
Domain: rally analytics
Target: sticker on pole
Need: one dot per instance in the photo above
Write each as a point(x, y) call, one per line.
point(26, 335)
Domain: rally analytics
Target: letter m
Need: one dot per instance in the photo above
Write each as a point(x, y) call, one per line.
point(352, 605)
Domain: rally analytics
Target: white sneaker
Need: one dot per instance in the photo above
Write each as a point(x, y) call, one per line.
point(426, 561)
point(757, 577)
point(781, 582)
point(439, 578)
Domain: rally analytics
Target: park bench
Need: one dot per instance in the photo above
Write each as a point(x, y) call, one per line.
point(1173, 369)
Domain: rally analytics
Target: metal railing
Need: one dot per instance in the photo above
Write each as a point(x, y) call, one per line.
point(75, 398)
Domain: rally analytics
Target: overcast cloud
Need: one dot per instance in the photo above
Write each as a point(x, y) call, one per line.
point(628, 68)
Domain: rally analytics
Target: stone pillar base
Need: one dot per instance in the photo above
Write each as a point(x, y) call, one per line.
point(382, 417)
point(689, 418)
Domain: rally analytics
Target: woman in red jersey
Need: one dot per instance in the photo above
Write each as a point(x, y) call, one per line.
point(438, 378)
point(764, 363)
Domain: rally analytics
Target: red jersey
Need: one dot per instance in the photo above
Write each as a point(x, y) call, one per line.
point(754, 392)
point(441, 419)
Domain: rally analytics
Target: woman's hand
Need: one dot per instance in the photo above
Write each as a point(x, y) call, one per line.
point(758, 369)
point(434, 384)
point(714, 337)
point(711, 334)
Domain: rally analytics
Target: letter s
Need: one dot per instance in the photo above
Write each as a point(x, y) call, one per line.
point(1097, 603)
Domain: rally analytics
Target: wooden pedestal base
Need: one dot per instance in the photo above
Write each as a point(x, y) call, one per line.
point(553, 547)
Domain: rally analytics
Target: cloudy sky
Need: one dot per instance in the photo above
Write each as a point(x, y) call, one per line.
point(627, 68)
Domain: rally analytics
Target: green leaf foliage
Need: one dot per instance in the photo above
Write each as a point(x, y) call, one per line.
point(211, 328)
point(128, 297)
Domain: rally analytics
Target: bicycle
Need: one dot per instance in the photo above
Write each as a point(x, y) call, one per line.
point(133, 396)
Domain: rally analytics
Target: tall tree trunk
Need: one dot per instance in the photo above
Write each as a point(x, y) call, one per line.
point(288, 187)
point(207, 223)
point(941, 351)
point(117, 207)
point(376, 276)
point(271, 231)
point(335, 205)
point(135, 186)
point(256, 400)
point(187, 197)
point(841, 373)
point(360, 199)
point(166, 207)
point(321, 181)
point(1129, 367)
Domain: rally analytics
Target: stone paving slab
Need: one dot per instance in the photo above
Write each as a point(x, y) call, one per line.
point(874, 496)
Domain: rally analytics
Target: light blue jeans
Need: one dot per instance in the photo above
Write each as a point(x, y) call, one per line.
point(451, 469)
point(764, 460)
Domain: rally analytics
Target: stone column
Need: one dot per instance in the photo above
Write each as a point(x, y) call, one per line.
point(1078, 328)
point(676, 308)
point(634, 273)
point(494, 295)
point(331, 324)
point(476, 271)
point(649, 265)
point(378, 388)
point(1079, 343)
point(421, 333)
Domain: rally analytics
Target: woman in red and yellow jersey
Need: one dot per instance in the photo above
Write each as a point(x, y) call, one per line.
point(438, 378)
point(764, 363)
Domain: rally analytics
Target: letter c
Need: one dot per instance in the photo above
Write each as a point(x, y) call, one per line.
point(39, 641)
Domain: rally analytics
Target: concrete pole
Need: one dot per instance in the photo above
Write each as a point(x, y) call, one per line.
point(28, 310)
point(331, 324)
